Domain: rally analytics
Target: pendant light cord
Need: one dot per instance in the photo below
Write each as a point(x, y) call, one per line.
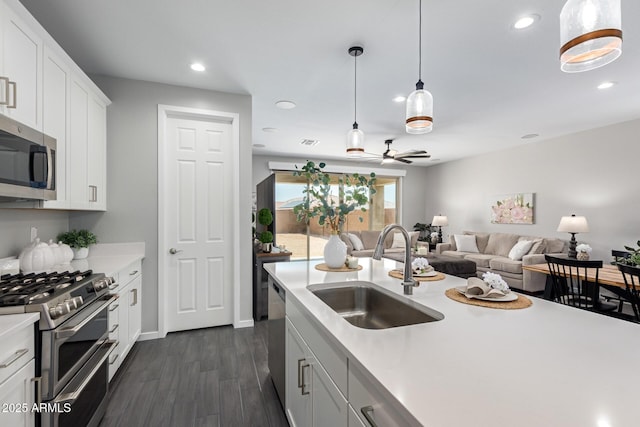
point(355, 87)
point(420, 41)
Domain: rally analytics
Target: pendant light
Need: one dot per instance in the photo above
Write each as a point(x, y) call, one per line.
point(419, 102)
point(355, 137)
point(590, 34)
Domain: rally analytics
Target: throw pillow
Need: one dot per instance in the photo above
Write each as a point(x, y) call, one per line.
point(538, 247)
point(398, 241)
point(466, 243)
point(356, 242)
point(414, 238)
point(520, 249)
point(345, 238)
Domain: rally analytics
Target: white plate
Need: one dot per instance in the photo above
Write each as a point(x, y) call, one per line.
point(427, 274)
point(508, 297)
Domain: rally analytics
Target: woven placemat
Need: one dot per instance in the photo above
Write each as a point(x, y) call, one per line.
point(324, 267)
point(521, 302)
point(400, 275)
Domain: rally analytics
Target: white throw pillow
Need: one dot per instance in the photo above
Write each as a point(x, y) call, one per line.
point(466, 243)
point(398, 241)
point(520, 249)
point(356, 242)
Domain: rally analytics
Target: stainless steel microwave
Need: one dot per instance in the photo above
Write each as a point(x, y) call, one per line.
point(27, 163)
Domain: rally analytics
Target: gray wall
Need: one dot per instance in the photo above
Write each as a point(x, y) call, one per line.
point(415, 201)
point(15, 228)
point(132, 187)
point(592, 173)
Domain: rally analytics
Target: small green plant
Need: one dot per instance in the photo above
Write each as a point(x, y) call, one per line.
point(425, 231)
point(354, 192)
point(266, 237)
point(265, 217)
point(634, 257)
point(78, 238)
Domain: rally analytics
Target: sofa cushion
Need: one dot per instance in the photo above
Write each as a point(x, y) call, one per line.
point(356, 242)
point(500, 264)
point(452, 242)
point(414, 238)
point(347, 241)
point(398, 240)
point(454, 254)
point(394, 250)
point(554, 246)
point(363, 254)
point(481, 240)
point(466, 243)
point(501, 243)
point(481, 260)
point(520, 249)
point(538, 247)
point(370, 238)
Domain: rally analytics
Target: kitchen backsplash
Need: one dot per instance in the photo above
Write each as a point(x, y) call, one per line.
point(15, 227)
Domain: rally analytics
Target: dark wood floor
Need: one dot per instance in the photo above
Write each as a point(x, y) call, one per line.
point(206, 377)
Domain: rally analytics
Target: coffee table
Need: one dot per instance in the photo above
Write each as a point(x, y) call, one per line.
point(445, 264)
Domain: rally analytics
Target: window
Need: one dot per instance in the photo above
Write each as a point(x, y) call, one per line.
point(309, 244)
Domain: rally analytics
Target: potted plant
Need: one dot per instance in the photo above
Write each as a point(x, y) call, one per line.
point(79, 241)
point(634, 256)
point(424, 229)
point(265, 217)
point(354, 192)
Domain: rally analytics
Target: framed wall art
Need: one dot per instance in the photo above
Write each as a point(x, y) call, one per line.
point(516, 208)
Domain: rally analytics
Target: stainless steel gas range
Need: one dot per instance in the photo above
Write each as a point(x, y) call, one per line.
point(72, 346)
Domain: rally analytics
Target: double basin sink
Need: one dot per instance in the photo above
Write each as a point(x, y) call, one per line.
point(365, 306)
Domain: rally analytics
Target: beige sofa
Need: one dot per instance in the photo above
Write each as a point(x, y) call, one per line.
point(369, 240)
point(493, 255)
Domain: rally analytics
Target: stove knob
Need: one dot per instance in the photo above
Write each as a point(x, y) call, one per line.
point(103, 283)
point(78, 301)
point(59, 310)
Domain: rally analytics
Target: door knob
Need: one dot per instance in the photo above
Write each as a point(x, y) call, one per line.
point(174, 251)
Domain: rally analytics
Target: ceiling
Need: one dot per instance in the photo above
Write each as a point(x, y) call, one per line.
point(491, 84)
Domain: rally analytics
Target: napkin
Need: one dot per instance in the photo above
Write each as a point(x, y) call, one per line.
point(478, 288)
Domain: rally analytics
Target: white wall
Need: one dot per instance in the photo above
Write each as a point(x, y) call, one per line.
point(132, 172)
point(593, 173)
point(414, 206)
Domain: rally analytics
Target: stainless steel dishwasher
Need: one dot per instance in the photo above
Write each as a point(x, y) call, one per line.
point(276, 347)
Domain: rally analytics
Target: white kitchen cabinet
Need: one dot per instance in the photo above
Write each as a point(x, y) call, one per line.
point(125, 315)
point(21, 69)
point(97, 154)
point(17, 370)
point(354, 419)
point(312, 398)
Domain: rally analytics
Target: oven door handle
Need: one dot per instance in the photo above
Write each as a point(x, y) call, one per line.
point(69, 332)
point(73, 396)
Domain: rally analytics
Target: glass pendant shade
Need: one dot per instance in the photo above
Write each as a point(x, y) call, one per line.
point(355, 142)
point(419, 111)
point(590, 34)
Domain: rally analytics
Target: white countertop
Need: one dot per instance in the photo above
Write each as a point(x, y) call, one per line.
point(109, 258)
point(12, 322)
point(540, 366)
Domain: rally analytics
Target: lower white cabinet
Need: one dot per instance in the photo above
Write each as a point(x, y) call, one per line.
point(125, 315)
point(17, 396)
point(312, 397)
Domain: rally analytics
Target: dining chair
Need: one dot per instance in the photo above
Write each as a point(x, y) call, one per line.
point(570, 286)
point(618, 256)
point(631, 277)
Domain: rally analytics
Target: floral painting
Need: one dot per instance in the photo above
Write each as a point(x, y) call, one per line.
point(512, 209)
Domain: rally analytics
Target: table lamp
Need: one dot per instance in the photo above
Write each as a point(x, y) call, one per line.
point(573, 224)
point(439, 221)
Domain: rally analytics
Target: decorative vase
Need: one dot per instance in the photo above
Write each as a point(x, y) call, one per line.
point(266, 247)
point(335, 252)
point(80, 253)
point(582, 256)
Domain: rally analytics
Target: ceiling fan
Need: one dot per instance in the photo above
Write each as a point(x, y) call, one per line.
point(391, 155)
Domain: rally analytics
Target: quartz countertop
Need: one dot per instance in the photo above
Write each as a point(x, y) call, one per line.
point(544, 365)
point(9, 323)
point(109, 258)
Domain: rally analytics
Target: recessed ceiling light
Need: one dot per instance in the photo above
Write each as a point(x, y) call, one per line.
point(435, 160)
point(196, 66)
point(270, 130)
point(526, 21)
point(606, 85)
point(286, 105)
point(259, 145)
point(399, 99)
point(310, 142)
point(530, 136)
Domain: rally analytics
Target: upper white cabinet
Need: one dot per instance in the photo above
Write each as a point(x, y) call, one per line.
point(21, 70)
point(52, 94)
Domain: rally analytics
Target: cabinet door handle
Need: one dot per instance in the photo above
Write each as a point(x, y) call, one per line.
point(15, 95)
point(17, 355)
point(367, 411)
point(5, 101)
point(115, 328)
point(114, 307)
point(93, 195)
point(301, 381)
point(133, 273)
point(135, 296)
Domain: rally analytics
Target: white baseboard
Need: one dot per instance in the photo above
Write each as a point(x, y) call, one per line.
point(243, 324)
point(146, 336)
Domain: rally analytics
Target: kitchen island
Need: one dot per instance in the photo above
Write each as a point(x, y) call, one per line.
point(543, 365)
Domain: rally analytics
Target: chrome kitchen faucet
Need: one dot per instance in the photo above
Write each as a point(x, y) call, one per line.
point(407, 280)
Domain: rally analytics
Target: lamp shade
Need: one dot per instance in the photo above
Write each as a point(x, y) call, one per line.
point(573, 224)
point(590, 34)
point(419, 118)
point(440, 221)
point(355, 142)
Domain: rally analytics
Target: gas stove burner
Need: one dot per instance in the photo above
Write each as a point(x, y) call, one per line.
point(63, 285)
point(39, 296)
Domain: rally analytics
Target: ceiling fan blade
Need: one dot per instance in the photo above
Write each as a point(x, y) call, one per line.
point(416, 156)
point(403, 160)
point(411, 153)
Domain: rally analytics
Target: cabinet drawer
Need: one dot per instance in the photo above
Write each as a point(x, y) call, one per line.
point(333, 361)
point(381, 407)
point(126, 275)
point(16, 351)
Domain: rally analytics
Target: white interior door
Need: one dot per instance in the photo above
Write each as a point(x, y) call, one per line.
point(198, 207)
